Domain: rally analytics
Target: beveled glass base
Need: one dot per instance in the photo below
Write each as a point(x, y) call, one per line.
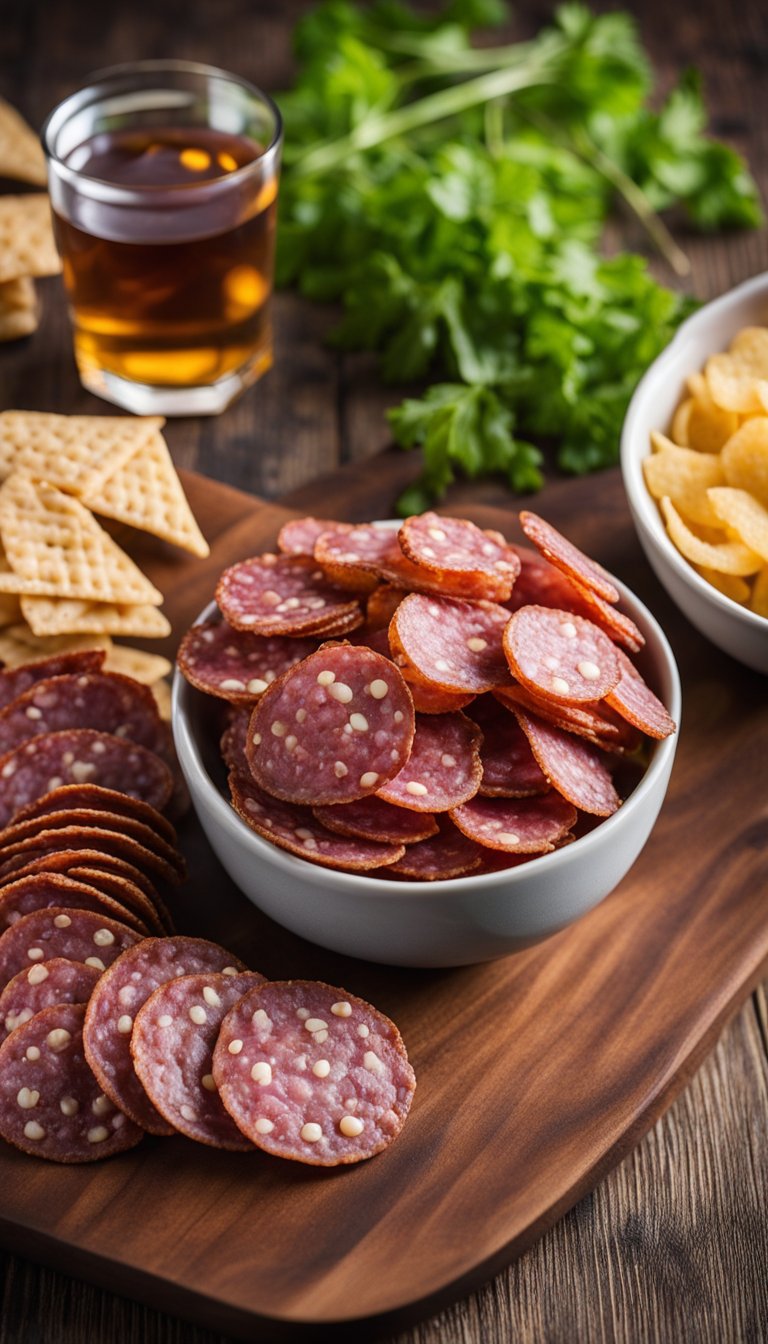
point(143, 399)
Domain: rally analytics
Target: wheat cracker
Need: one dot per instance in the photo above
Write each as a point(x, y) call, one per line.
point(147, 494)
point(74, 615)
point(27, 245)
point(21, 154)
point(144, 667)
point(74, 452)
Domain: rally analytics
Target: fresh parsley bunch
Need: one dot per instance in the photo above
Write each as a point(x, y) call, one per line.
point(453, 198)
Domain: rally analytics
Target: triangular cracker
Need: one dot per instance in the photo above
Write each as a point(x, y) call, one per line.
point(146, 493)
point(74, 452)
point(21, 154)
point(73, 615)
point(27, 246)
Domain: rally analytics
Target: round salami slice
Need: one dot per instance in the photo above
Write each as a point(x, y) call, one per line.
point(509, 766)
point(312, 1073)
point(106, 702)
point(295, 828)
point(68, 838)
point(373, 819)
point(353, 556)
point(237, 665)
point(565, 556)
point(98, 799)
point(50, 1103)
point(15, 681)
point(454, 546)
point(79, 935)
point(172, 1050)
point(40, 891)
point(298, 537)
point(518, 825)
point(74, 756)
point(443, 769)
point(636, 702)
point(116, 1000)
point(445, 855)
point(234, 739)
point(454, 645)
point(575, 768)
point(560, 655)
point(84, 817)
point(42, 985)
point(333, 729)
point(284, 595)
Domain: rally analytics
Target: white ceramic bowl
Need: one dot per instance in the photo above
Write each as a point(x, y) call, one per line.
point(737, 631)
point(452, 923)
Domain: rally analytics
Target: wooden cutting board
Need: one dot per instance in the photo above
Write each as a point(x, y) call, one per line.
point(536, 1074)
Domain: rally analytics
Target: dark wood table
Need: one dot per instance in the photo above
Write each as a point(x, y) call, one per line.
point(673, 1244)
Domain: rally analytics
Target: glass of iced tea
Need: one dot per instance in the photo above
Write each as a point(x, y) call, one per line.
point(163, 178)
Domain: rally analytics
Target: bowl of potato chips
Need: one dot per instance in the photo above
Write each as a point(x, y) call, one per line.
point(694, 458)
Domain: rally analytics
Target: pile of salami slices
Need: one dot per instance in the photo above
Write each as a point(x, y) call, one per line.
point(424, 703)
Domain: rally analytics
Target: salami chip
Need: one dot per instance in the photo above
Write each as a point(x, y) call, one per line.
point(126, 827)
point(518, 825)
point(454, 546)
point(42, 985)
point(540, 584)
point(454, 645)
point(237, 665)
point(295, 828)
point(107, 702)
point(117, 999)
point(431, 699)
point(333, 729)
point(565, 556)
point(560, 655)
point(373, 819)
point(354, 556)
point(444, 767)
point(576, 769)
point(98, 799)
point(284, 595)
point(50, 1103)
point(78, 935)
point(445, 855)
point(636, 702)
point(15, 681)
point(382, 604)
point(68, 860)
point(68, 838)
point(616, 624)
point(234, 739)
point(596, 722)
point(313, 1074)
point(510, 769)
point(71, 757)
point(115, 883)
point(40, 891)
point(172, 1050)
point(298, 537)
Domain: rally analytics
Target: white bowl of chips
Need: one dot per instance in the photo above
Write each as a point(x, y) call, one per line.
point(700, 414)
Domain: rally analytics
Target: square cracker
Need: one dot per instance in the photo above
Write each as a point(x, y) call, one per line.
point(146, 493)
point(43, 647)
point(27, 246)
point(18, 309)
point(21, 154)
point(74, 452)
point(54, 547)
point(144, 667)
point(74, 615)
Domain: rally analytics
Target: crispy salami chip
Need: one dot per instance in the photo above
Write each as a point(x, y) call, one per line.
point(68, 860)
point(295, 828)
point(560, 655)
point(107, 702)
point(117, 999)
point(430, 699)
point(454, 546)
point(616, 624)
point(381, 605)
point(41, 985)
point(636, 702)
point(284, 595)
point(87, 819)
point(518, 825)
point(596, 722)
point(172, 1050)
point(540, 584)
point(234, 739)
point(510, 769)
point(15, 681)
point(565, 556)
point(78, 935)
point(313, 1074)
point(354, 556)
point(115, 883)
point(68, 838)
point(445, 855)
point(298, 537)
point(50, 1103)
point(333, 729)
point(454, 645)
point(575, 768)
point(443, 769)
point(237, 665)
point(98, 799)
point(40, 891)
point(44, 763)
point(374, 819)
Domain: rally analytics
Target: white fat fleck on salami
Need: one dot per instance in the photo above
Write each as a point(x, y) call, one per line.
point(453, 645)
point(237, 665)
point(519, 825)
point(561, 553)
point(284, 595)
point(636, 702)
point(40, 891)
point(78, 935)
point(352, 739)
point(445, 855)
point(375, 819)
point(329, 1088)
point(510, 769)
point(106, 702)
point(575, 768)
point(456, 547)
point(116, 1000)
point(560, 656)
point(172, 1049)
point(443, 769)
point(50, 1103)
point(298, 537)
point(15, 681)
point(39, 986)
point(295, 828)
point(76, 756)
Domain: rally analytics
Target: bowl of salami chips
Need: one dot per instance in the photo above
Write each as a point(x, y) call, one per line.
point(425, 744)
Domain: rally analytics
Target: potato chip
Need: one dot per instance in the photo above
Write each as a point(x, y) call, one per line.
point(751, 346)
point(745, 458)
point(741, 512)
point(697, 386)
point(727, 557)
point(759, 599)
point(685, 476)
point(733, 385)
point(709, 426)
point(727, 584)
point(679, 431)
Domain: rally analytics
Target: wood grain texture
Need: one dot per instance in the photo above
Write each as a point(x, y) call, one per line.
point(672, 1245)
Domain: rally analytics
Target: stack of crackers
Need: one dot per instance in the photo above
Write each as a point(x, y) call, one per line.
point(27, 247)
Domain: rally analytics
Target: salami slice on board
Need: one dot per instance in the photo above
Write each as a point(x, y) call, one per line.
point(443, 769)
point(78, 935)
point(237, 665)
point(298, 537)
point(40, 891)
point(68, 838)
point(284, 595)
point(86, 818)
point(42, 985)
point(15, 681)
point(98, 799)
point(106, 702)
point(519, 825)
